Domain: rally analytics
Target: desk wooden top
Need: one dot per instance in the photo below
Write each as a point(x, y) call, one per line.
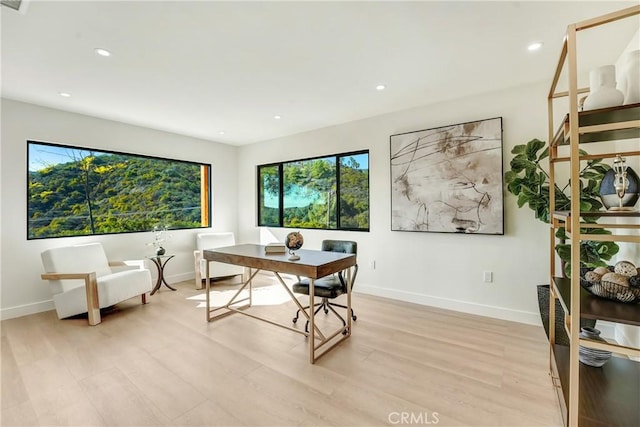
point(312, 264)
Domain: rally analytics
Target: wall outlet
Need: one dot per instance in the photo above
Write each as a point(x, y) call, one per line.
point(372, 264)
point(487, 276)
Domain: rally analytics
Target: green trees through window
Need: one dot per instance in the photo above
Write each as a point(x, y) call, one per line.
point(76, 191)
point(329, 192)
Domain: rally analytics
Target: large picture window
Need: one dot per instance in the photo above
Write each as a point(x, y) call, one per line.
point(330, 192)
point(76, 191)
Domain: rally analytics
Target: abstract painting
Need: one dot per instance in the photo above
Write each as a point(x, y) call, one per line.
point(448, 179)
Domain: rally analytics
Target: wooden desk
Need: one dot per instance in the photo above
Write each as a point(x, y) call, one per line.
point(312, 264)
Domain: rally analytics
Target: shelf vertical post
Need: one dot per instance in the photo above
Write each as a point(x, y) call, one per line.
point(574, 369)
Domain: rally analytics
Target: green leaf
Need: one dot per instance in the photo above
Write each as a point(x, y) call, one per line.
point(542, 178)
point(533, 147)
point(520, 163)
point(587, 174)
point(522, 200)
point(519, 149)
point(564, 251)
point(509, 176)
point(561, 233)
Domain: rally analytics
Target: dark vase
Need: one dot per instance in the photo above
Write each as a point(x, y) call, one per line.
point(592, 356)
point(608, 192)
point(544, 294)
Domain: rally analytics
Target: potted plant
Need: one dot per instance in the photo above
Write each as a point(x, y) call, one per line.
point(529, 182)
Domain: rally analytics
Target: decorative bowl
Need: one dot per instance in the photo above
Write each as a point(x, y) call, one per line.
point(610, 290)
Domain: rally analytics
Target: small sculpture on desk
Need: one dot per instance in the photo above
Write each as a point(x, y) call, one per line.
point(293, 242)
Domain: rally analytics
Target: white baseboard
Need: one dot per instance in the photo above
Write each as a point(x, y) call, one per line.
point(181, 277)
point(26, 309)
point(531, 318)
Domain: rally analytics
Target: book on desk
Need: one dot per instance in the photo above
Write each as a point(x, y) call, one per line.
point(275, 248)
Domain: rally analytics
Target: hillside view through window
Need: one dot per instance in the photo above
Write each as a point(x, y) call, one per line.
point(330, 192)
point(74, 191)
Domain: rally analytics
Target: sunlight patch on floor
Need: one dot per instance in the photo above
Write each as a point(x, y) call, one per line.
point(265, 295)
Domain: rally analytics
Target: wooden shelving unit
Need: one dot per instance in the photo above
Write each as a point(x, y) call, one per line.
point(606, 396)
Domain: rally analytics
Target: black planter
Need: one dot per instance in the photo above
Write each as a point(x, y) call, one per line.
point(544, 294)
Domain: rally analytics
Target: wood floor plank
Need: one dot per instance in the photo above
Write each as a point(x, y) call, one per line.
point(163, 364)
point(119, 402)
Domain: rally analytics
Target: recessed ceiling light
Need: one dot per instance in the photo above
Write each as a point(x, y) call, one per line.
point(381, 87)
point(102, 52)
point(277, 117)
point(221, 132)
point(534, 46)
point(64, 94)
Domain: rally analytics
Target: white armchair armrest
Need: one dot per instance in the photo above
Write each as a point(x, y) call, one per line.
point(131, 264)
point(91, 288)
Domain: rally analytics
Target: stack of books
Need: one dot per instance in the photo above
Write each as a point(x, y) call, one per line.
point(275, 248)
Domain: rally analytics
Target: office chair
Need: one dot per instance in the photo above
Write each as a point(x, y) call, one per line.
point(329, 287)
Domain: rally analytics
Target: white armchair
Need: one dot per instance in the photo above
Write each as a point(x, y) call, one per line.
point(82, 280)
point(216, 269)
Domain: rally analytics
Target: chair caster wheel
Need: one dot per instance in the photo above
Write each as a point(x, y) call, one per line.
point(344, 332)
point(326, 311)
point(354, 317)
point(294, 320)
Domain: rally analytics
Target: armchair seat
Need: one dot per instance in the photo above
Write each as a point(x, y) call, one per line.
point(82, 280)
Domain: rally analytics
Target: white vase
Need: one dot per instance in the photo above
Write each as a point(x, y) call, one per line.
point(602, 88)
point(630, 77)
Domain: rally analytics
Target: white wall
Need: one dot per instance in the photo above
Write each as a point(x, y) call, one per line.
point(21, 289)
point(436, 269)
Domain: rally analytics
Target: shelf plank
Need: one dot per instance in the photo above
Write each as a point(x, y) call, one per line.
point(602, 116)
point(604, 214)
point(608, 395)
point(593, 307)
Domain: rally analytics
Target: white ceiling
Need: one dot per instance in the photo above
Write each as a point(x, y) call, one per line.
point(198, 68)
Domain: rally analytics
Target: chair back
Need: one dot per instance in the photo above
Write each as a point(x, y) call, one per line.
point(345, 247)
point(74, 259)
point(214, 240)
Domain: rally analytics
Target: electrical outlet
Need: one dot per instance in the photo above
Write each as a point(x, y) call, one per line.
point(487, 276)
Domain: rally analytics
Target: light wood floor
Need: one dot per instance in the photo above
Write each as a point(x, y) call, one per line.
point(163, 364)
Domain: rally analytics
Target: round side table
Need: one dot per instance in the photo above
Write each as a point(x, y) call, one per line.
point(160, 262)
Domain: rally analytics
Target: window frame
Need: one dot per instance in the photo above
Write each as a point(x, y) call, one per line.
point(205, 188)
point(280, 166)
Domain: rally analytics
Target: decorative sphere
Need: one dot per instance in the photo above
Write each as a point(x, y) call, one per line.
point(608, 193)
point(294, 241)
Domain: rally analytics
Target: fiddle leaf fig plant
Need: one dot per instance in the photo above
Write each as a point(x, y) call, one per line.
point(529, 182)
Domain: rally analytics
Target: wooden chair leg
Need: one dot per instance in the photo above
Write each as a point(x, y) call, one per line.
point(93, 306)
point(144, 298)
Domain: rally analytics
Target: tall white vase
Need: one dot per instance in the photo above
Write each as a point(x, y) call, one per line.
point(602, 87)
point(630, 77)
